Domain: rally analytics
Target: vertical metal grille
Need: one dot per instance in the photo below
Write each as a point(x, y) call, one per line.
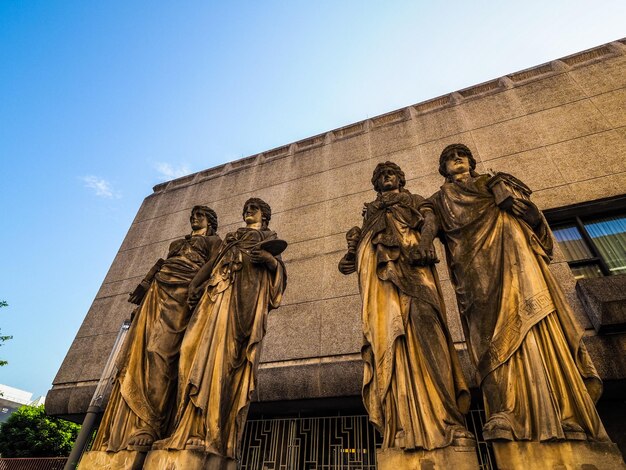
point(329, 443)
point(475, 420)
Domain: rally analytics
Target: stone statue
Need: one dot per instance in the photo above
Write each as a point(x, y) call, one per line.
point(537, 378)
point(139, 409)
point(220, 352)
point(413, 387)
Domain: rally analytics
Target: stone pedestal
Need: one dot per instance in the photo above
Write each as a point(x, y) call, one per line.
point(569, 455)
point(122, 460)
point(186, 460)
point(451, 457)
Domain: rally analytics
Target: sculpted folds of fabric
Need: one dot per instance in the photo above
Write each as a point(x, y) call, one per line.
point(145, 389)
point(536, 375)
point(220, 352)
point(413, 387)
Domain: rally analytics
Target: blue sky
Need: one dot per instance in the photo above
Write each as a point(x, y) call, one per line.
point(100, 101)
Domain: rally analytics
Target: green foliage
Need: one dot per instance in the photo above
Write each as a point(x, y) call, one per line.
point(30, 433)
point(3, 338)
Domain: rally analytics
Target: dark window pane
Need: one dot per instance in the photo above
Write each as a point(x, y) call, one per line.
point(609, 236)
point(571, 243)
point(587, 271)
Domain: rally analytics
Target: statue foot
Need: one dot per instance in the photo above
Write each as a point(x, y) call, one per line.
point(461, 437)
point(141, 441)
point(398, 441)
point(195, 443)
point(573, 431)
point(161, 444)
point(498, 428)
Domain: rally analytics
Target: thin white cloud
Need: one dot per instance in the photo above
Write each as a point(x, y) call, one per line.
point(170, 172)
point(100, 186)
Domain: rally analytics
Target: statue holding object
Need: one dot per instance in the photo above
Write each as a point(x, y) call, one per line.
point(413, 387)
point(144, 393)
point(536, 375)
point(220, 352)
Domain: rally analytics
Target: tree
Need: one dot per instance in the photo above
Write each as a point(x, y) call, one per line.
point(3, 338)
point(30, 433)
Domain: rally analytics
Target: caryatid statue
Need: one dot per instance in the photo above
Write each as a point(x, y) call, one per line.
point(536, 376)
point(144, 394)
point(220, 352)
point(413, 387)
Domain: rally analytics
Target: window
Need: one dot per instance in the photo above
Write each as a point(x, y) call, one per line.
point(592, 236)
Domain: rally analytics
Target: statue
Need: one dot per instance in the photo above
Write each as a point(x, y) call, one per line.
point(538, 381)
point(220, 352)
point(139, 409)
point(413, 387)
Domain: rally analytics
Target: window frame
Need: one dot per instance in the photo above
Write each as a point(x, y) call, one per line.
point(578, 214)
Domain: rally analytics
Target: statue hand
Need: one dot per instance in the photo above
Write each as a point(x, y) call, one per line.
point(261, 256)
point(424, 255)
point(193, 296)
point(352, 237)
point(526, 211)
point(347, 264)
point(139, 293)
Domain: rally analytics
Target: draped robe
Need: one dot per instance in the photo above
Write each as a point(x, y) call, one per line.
point(534, 370)
point(220, 353)
point(413, 387)
point(145, 388)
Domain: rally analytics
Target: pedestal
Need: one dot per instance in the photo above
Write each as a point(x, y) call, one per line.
point(186, 460)
point(568, 455)
point(451, 457)
point(122, 460)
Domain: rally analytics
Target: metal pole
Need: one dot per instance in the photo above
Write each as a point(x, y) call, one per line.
point(95, 406)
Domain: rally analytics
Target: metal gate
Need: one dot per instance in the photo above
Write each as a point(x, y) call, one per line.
point(328, 443)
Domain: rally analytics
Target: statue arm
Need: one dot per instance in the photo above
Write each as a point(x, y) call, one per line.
point(138, 294)
point(530, 213)
point(424, 253)
point(430, 227)
point(525, 210)
point(263, 256)
point(199, 281)
point(347, 264)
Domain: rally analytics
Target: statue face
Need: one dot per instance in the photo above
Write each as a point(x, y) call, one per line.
point(252, 214)
point(388, 180)
point(457, 164)
point(199, 221)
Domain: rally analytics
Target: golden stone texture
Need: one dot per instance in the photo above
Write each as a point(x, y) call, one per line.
point(558, 456)
point(144, 389)
point(413, 387)
point(448, 458)
point(122, 460)
point(537, 378)
point(186, 460)
point(233, 284)
point(219, 355)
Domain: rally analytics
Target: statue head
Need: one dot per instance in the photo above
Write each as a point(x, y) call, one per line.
point(452, 151)
point(208, 213)
point(264, 207)
point(387, 167)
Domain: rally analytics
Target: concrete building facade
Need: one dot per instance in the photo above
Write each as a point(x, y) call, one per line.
point(560, 127)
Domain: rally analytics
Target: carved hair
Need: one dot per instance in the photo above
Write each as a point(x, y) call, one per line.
point(449, 152)
point(388, 165)
point(266, 210)
point(208, 213)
